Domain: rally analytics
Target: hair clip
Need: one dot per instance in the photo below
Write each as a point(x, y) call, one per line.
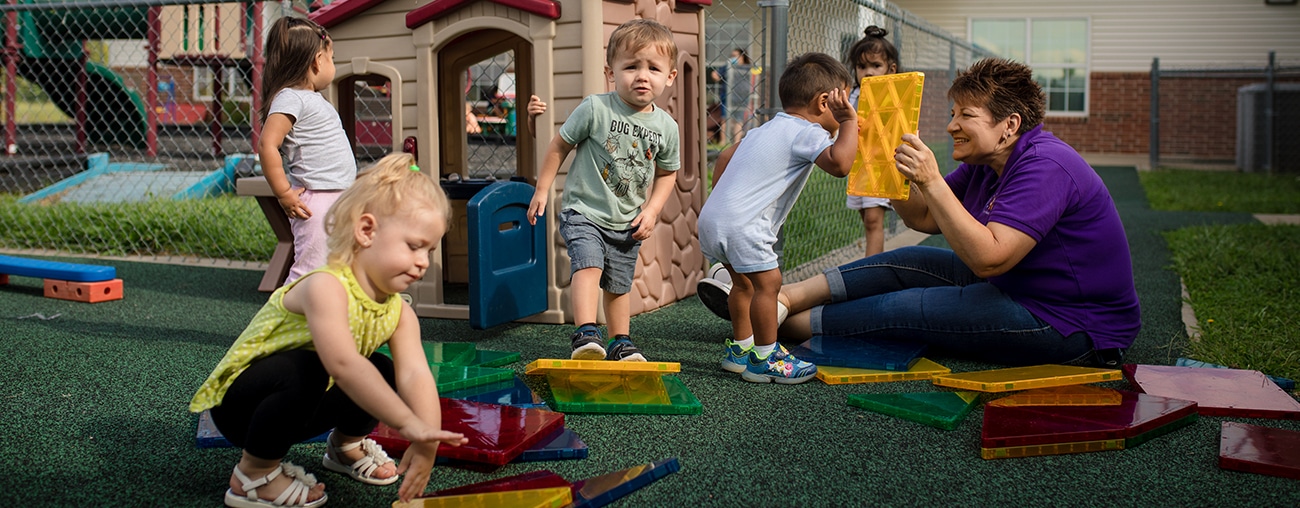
point(415, 168)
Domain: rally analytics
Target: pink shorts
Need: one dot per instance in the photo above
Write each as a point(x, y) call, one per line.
point(309, 249)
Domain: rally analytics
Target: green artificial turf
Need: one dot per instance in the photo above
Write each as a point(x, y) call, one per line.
point(93, 409)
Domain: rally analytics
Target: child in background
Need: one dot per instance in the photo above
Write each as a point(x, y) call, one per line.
point(871, 56)
point(306, 362)
point(304, 150)
point(755, 184)
point(623, 142)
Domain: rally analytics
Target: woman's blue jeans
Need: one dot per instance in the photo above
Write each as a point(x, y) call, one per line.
point(926, 294)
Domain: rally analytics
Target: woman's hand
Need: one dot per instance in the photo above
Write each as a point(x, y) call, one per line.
point(916, 162)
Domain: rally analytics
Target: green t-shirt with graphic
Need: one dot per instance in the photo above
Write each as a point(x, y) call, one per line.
point(618, 150)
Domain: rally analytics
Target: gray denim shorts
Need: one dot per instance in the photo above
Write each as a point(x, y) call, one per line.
point(591, 246)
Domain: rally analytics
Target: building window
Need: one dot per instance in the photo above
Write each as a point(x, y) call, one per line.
point(1056, 48)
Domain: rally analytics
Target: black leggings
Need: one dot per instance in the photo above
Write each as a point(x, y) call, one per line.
point(281, 400)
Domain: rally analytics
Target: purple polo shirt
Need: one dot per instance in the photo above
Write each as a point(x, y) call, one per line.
point(1079, 277)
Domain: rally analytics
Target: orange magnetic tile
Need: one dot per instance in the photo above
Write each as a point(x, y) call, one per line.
point(1024, 378)
point(1072, 395)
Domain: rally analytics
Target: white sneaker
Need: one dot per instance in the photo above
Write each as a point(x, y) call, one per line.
point(714, 293)
point(719, 272)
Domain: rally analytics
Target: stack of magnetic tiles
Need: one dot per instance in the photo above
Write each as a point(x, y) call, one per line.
point(547, 489)
point(1055, 411)
point(581, 386)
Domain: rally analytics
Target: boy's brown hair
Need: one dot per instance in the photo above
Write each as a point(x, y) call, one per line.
point(640, 33)
point(810, 75)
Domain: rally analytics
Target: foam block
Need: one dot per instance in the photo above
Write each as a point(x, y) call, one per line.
point(88, 292)
point(58, 270)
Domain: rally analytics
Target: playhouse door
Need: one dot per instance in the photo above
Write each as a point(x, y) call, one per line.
point(507, 256)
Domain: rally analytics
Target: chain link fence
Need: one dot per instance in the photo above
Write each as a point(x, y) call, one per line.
point(1246, 118)
point(821, 231)
point(127, 122)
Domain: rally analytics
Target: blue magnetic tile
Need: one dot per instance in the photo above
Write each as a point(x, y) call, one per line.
point(601, 490)
point(209, 437)
point(566, 445)
point(506, 393)
point(859, 354)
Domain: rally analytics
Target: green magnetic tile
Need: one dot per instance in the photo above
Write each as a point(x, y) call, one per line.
point(547, 365)
point(1137, 440)
point(942, 410)
point(1024, 378)
point(441, 353)
point(605, 388)
point(490, 358)
point(449, 378)
point(922, 369)
point(680, 402)
point(1012, 452)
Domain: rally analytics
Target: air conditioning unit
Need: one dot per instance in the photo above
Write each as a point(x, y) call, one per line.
point(1251, 140)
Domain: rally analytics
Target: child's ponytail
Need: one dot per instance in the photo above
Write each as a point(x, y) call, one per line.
point(291, 47)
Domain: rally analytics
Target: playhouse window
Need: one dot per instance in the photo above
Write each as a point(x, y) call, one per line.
point(491, 100)
point(373, 118)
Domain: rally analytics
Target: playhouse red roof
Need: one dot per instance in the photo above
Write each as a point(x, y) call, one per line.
point(437, 8)
point(340, 10)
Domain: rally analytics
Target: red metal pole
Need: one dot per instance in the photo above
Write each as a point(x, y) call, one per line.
point(11, 80)
point(154, 33)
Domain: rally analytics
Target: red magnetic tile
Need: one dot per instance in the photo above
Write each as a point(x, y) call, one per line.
point(1262, 450)
point(1217, 392)
point(527, 481)
point(497, 434)
point(1137, 413)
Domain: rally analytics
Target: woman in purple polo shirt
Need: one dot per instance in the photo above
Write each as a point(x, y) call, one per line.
point(1039, 270)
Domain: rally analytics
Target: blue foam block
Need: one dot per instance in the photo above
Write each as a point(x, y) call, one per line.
point(859, 353)
point(57, 270)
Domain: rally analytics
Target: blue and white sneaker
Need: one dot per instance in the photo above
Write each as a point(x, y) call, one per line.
point(621, 349)
point(586, 344)
point(735, 358)
point(779, 367)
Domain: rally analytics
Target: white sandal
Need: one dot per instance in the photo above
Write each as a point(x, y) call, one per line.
point(362, 469)
point(295, 495)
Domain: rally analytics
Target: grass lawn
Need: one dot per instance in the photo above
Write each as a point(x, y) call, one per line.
point(226, 227)
point(1243, 281)
point(1221, 191)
